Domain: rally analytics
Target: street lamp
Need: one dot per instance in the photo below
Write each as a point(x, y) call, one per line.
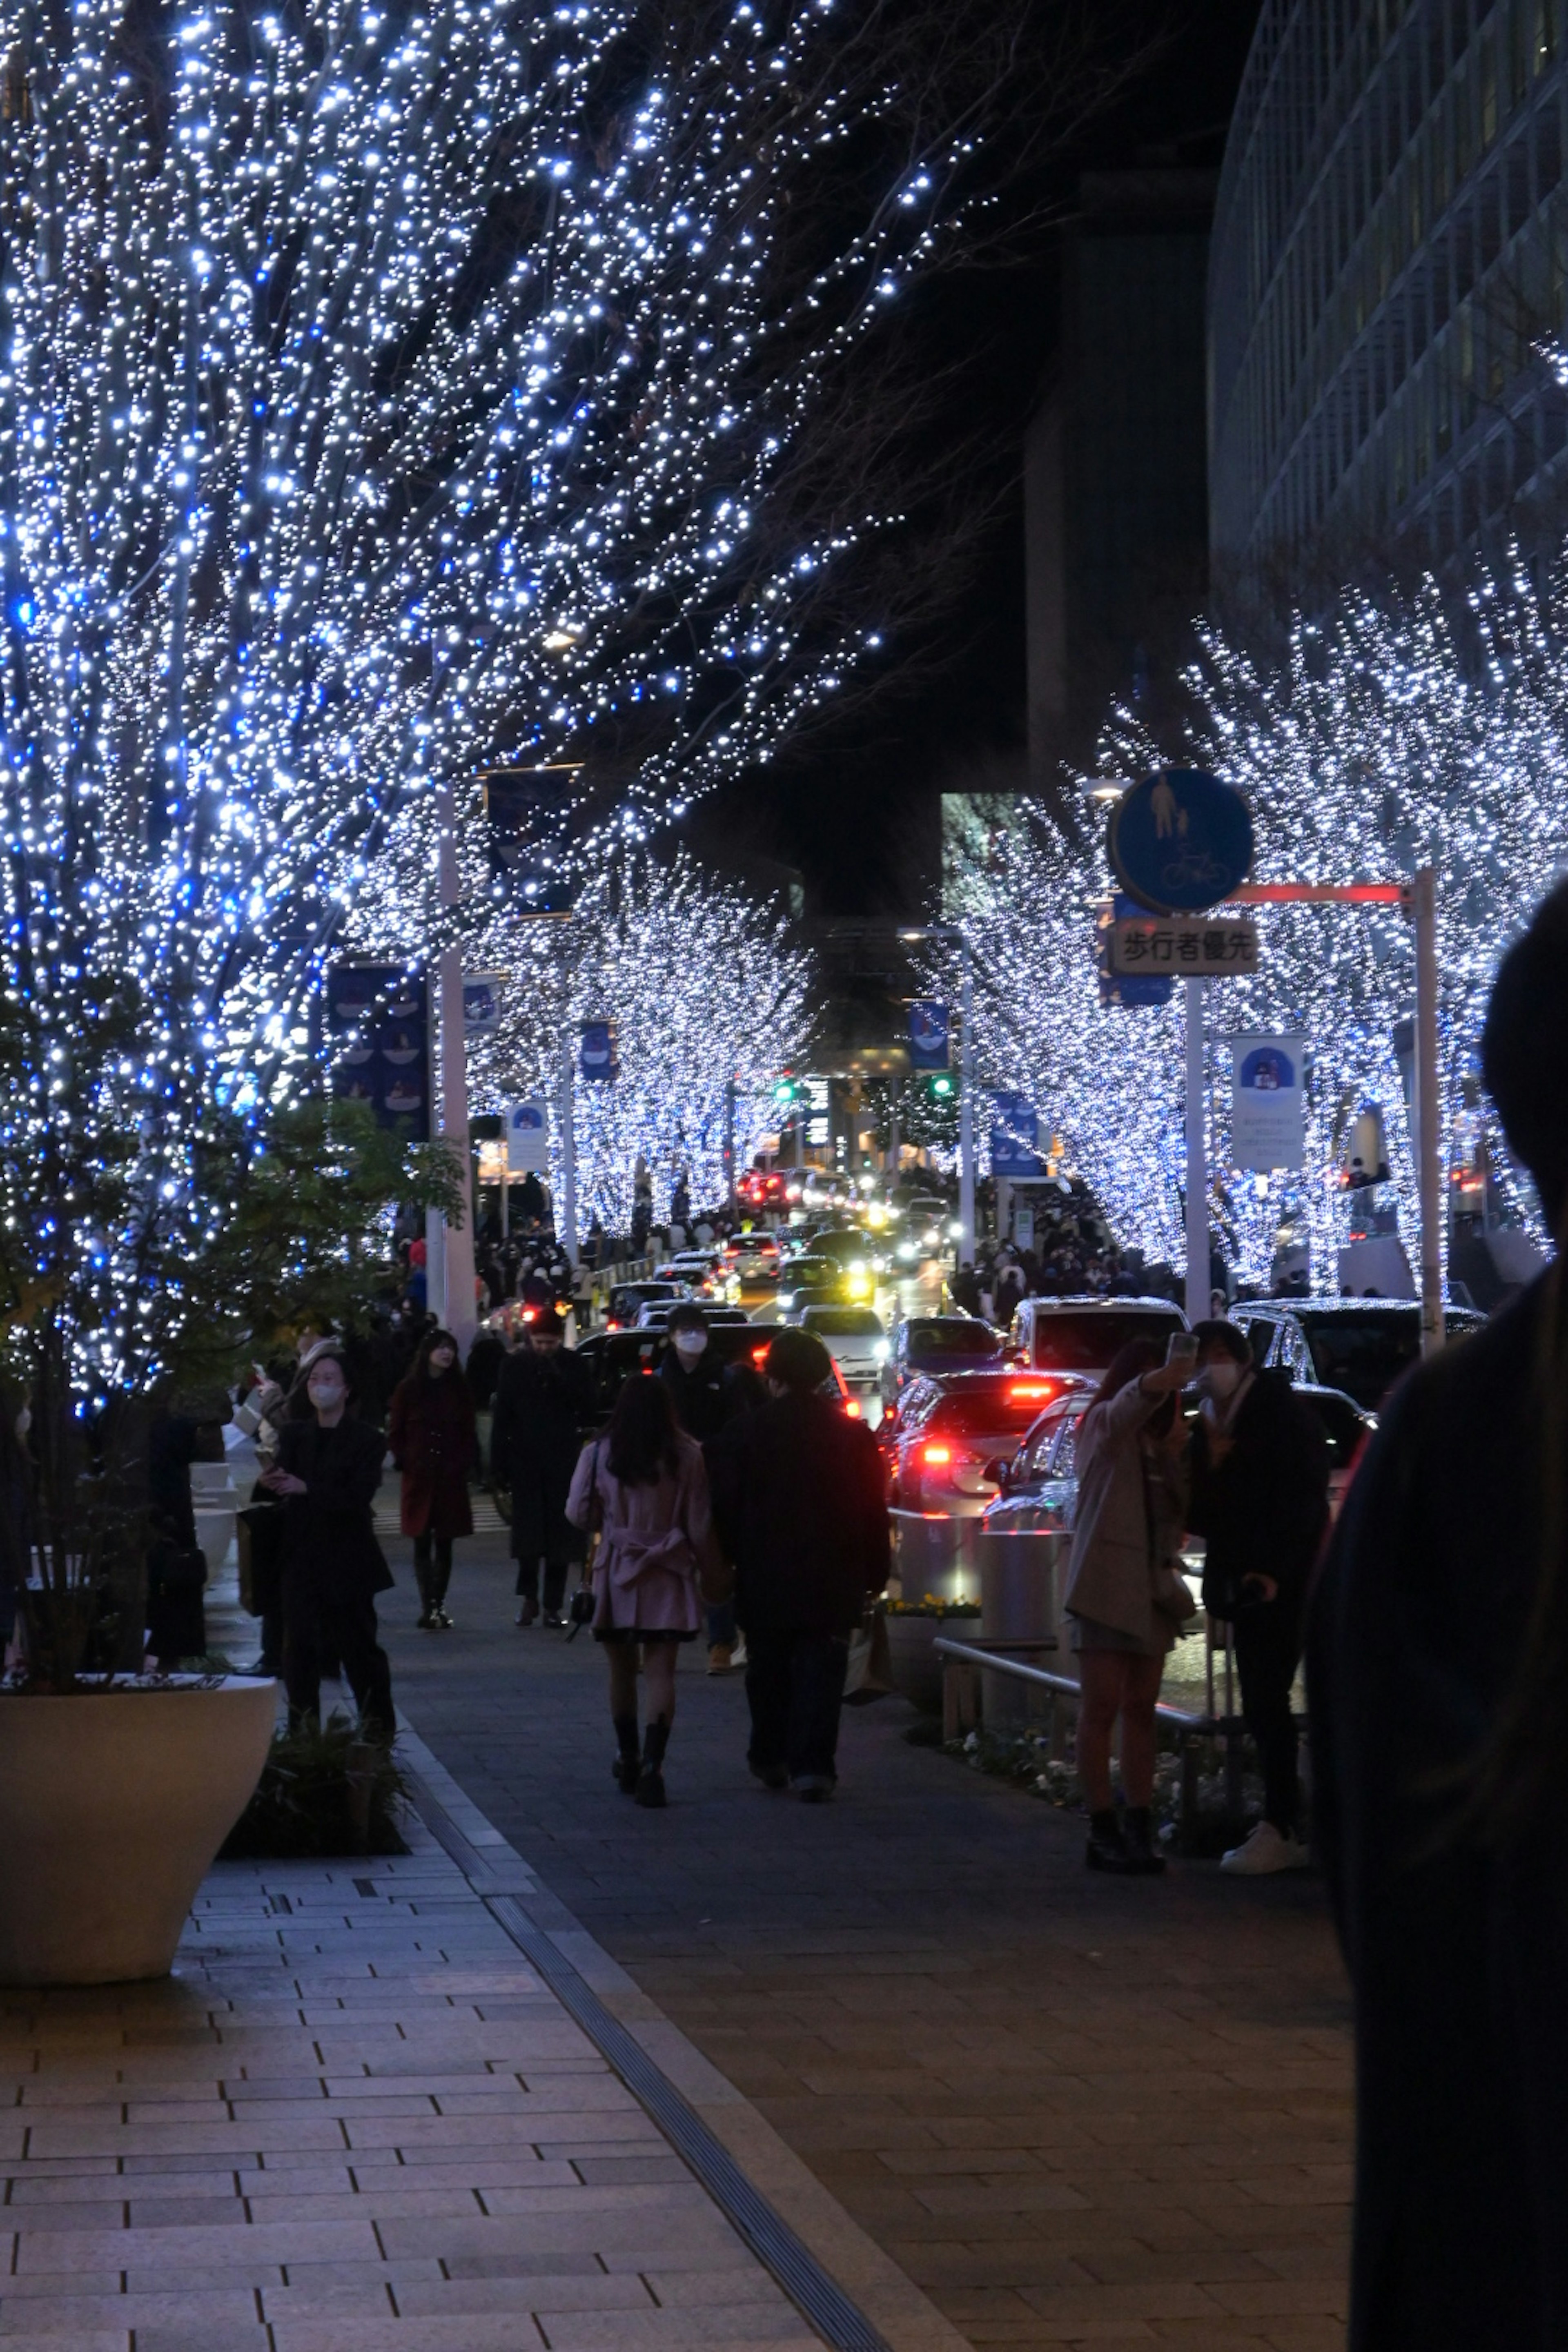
point(950, 935)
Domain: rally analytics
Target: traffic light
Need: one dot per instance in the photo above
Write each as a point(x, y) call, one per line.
point(787, 1093)
point(940, 1086)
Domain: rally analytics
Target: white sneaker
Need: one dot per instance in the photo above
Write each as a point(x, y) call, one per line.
point(1267, 1850)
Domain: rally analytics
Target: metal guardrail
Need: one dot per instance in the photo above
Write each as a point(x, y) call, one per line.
point(961, 1660)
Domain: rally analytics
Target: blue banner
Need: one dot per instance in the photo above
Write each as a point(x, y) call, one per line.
point(1015, 1132)
point(928, 1034)
point(597, 1052)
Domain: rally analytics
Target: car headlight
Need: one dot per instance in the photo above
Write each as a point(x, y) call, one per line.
point(880, 1352)
point(955, 1231)
point(857, 1265)
point(907, 1249)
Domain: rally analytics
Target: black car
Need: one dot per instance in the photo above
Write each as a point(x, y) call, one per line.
point(615, 1357)
point(928, 1344)
point(1358, 1344)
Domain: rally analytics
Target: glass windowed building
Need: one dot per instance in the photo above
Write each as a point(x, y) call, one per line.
point(1388, 255)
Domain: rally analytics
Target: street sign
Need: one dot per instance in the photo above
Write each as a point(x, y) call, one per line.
point(597, 1051)
point(1267, 1104)
point(528, 1138)
point(1015, 1132)
point(928, 1034)
point(1201, 949)
point(1180, 841)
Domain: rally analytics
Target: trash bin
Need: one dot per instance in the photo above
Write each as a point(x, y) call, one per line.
point(1020, 1601)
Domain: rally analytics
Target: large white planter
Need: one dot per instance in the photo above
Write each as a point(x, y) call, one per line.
point(112, 1809)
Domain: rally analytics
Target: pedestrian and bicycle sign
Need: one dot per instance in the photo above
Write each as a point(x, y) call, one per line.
point(1180, 841)
point(1165, 946)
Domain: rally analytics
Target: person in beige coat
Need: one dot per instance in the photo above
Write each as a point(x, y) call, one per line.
point(644, 1488)
point(1123, 1593)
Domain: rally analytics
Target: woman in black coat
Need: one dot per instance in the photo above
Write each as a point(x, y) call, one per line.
point(327, 1473)
point(1437, 1683)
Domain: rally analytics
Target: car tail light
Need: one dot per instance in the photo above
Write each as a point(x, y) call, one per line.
point(759, 1355)
point(852, 1407)
point(936, 1457)
point(1032, 1391)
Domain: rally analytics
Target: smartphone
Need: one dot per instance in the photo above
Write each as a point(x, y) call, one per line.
point(1183, 1347)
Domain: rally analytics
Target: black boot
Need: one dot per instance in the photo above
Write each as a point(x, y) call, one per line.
point(627, 1765)
point(440, 1577)
point(1107, 1849)
point(1143, 1855)
point(650, 1785)
point(422, 1578)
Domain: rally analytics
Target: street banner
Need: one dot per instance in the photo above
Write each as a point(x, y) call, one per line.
point(928, 1034)
point(1198, 947)
point(597, 1054)
point(1015, 1132)
point(1269, 1111)
point(1124, 989)
point(377, 1038)
point(524, 818)
point(528, 1138)
point(481, 1003)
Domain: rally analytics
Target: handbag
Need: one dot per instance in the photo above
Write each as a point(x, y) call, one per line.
point(869, 1674)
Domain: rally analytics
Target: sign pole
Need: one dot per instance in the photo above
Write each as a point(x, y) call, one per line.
point(729, 1146)
point(458, 1240)
point(566, 1223)
point(1428, 1108)
point(966, 1115)
point(1197, 1161)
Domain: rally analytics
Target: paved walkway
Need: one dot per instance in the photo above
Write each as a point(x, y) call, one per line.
point(353, 2121)
point(1076, 2111)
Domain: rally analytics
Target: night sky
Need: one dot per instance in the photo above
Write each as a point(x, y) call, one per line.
point(853, 804)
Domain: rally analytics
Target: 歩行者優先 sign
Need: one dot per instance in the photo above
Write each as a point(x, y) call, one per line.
point(1201, 949)
point(1180, 841)
point(528, 1138)
point(1268, 1104)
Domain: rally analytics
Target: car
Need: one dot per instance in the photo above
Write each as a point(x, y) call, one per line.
point(813, 1282)
point(615, 1357)
point(936, 1344)
point(856, 1255)
point(707, 1274)
point(855, 1338)
point(627, 1299)
point(948, 1435)
point(1358, 1345)
point(753, 1259)
point(923, 1231)
point(655, 1316)
point(1086, 1335)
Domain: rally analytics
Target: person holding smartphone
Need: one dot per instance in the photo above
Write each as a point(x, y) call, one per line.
point(1260, 1500)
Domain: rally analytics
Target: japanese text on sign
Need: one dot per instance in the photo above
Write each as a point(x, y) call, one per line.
point(1199, 948)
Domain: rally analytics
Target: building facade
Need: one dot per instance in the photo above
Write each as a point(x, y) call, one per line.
point(1387, 261)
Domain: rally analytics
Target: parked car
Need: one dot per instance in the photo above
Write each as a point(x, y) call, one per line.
point(945, 1440)
point(934, 1344)
point(1086, 1335)
point(1358, 1345)
point(855, 1338)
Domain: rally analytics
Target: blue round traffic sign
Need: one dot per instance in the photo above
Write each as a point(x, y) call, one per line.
point(1180, 841)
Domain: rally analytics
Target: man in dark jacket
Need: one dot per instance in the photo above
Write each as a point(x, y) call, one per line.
point(800, 1505)
point(544, 1407)
point(327, 1473)
point(1260, 1499)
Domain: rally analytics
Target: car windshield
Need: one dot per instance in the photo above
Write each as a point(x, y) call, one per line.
point(1086, 1341)
point(844, 1322)
point(953, 1338)
point(810, 1269)
point(1362, 1350)
point(998, 1410)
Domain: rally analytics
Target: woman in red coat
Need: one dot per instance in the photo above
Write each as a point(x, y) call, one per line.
point(434, 1446)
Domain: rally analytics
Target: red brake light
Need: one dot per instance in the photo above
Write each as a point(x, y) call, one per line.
point(1033, 1391)
point(759, 1355)
point(936, 1455)
point(852, 1407)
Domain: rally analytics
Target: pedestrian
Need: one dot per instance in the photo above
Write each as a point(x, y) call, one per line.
point(1124, 1593)
point(644, 1487)
point(327, 1473)
point(544, 1407)
point(800, 1505)
point(435, 1446)
point(1438, 1657)
point(706, 1399)
point(1260, 1500)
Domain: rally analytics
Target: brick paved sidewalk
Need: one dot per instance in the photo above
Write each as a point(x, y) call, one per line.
point(353, 2121)
point(1077, 2111)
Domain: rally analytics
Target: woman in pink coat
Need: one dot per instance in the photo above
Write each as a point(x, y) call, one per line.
point(643, 1486)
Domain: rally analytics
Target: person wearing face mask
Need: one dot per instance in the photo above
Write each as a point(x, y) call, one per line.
point(544, 1407)
point(434, 1445)
point(326, 1474)
point(706, 1398)
point(1261, 1499)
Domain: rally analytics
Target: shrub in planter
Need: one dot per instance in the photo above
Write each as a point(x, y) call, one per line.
point(323, 1791)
